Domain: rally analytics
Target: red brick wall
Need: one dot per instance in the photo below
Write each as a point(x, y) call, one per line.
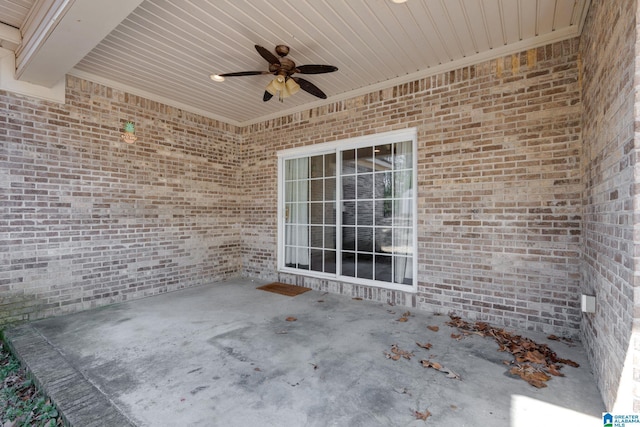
point(608, 51)
point(89, 220)
point(499, 186)
point(526, 193)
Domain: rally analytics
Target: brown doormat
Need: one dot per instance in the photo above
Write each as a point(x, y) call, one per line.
point(284, 289)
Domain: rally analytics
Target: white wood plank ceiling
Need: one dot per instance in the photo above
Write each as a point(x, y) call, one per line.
point(14, 12)
point(166, 50)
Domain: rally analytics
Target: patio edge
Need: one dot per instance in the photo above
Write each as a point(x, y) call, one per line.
point(80, 403)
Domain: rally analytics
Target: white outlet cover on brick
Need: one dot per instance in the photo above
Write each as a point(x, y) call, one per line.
point(588, 304)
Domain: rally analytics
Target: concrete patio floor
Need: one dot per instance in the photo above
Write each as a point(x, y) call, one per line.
point(225, 355)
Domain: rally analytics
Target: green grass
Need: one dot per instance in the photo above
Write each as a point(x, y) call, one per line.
point(21, 403)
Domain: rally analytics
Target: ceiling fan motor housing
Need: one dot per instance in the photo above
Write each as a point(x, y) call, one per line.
point(282, 50)
point(287, 65)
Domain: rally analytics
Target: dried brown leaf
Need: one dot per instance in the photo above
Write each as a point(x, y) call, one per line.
point(437, 366)
point(569, 362)
point(426, 345)
point(434, 365)
point(392, 356)
point(539, 376)
point(554, 370)
point(535, 357)
point(481, 326)
point(433, 328)
point(422, 415)
point(456, 336)
point(536, 383)
point(291, 319)
point(515, 370)
point(533, 376)
point(357, 299)
point(524, 350)
point(403, 353)
point(402, 319)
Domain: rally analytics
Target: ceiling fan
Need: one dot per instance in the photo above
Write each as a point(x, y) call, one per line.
point(285, 84)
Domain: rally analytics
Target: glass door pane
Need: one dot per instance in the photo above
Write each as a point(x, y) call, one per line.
point(377, 212)
point(309, 196)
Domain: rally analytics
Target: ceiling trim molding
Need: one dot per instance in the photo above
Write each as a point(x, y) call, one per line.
point(10, 37)
point(583, 18)
point(539, 41)
point(8, 82)
point(58, 33)
point(521, 46)
point(42, 19)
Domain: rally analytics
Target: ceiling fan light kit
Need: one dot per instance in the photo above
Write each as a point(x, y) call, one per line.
point(283, 87)
point(284, 84)
point(292, 86)
point(276, 85)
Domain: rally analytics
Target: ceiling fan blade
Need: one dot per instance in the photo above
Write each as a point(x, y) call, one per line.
point(309, 87)
point(244, 73)
point(267, 96)
point(270, 57)
point(316, 69)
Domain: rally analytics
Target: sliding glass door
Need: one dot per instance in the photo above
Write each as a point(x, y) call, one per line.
point(350, 212)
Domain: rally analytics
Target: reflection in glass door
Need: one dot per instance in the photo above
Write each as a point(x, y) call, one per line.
point(349, 212)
